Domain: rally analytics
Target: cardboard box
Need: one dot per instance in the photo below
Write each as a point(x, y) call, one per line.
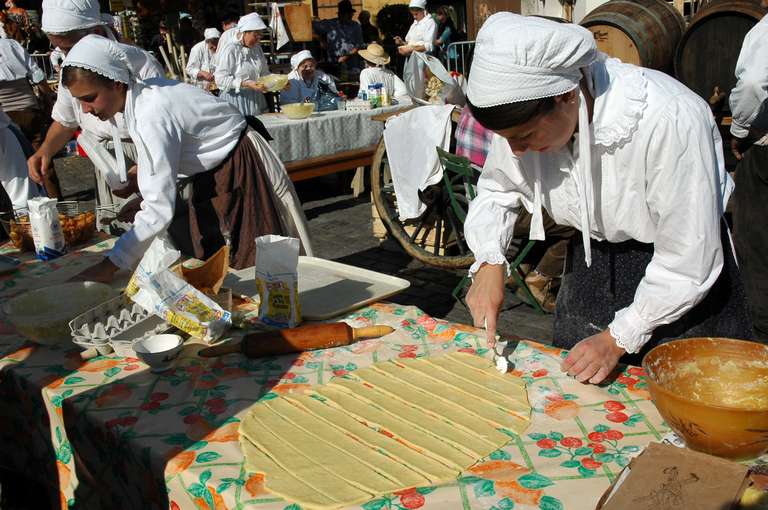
point(665, 477)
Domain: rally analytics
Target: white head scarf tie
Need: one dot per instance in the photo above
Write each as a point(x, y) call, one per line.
point(300, 57)
point(106, 58)
point(211, 33)
point(62, 16)
point(535, 58)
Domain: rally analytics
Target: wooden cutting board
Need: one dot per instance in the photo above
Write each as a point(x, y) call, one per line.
point(299, 20)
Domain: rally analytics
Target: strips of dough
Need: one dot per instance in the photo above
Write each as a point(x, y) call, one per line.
point(394, 425)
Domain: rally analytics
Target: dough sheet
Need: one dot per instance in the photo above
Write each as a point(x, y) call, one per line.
point(391, 426)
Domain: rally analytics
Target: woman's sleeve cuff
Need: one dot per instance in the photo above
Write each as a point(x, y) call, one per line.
point(491, 257)
point(630, 330)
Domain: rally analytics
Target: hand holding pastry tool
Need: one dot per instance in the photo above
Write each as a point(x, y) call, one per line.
point(300, 339)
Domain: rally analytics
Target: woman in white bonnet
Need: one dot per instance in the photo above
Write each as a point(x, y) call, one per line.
point(306, 80)
point(628, 156)
point(240, 63)
point(181, 134)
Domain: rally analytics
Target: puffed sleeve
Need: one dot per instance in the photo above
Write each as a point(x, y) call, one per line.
point(157, 172)
point(195, 62)
point(501, 191)
point(430, 34)
point(226, 66)
point(748, 97)
point(683, 194)
point(63, 110)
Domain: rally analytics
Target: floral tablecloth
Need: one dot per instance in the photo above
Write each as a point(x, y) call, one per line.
point(107, 433)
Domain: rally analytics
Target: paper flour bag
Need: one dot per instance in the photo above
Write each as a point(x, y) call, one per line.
point(277, 280)
point(46, 228)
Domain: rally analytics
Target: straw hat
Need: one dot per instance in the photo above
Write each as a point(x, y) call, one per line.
point(375, 54)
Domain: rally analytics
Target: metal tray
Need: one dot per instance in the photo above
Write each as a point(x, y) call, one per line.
point(328, 289)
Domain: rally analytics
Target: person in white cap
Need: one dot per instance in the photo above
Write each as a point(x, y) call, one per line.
point(200, 66)
point(376, 58)
point(306, 81)
point(423, 31)
point(749, 144)
point(626, 155)
point(240, 63)
point(180, 132)
point(66, 22)
point(13, 172)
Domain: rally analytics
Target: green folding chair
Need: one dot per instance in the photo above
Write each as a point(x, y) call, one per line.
point(458, 172)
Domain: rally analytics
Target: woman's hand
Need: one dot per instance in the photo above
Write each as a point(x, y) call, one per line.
point(593, 359)
point(128, 212)
point(405, 50)
point(399, 40)
point(131, 186)
point(485, 298)
point(39, 165)
point(103, 272)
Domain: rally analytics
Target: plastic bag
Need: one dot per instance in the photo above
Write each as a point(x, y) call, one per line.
point(46, 228)
point(277, 280)
point(416, 78)
point(325, 100)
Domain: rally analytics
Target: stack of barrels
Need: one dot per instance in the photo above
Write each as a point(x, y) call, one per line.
point(652, 33)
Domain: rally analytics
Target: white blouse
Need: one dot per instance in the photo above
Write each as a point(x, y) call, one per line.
point(15, 63)
point(658, 177)
point(423, 32)
point(200, 59)
point(179, 131)
point(67, 110)
point(751, 89)
point(395, 86)
point(237, 63)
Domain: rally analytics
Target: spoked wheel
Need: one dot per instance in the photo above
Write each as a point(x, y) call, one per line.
point(436, 237)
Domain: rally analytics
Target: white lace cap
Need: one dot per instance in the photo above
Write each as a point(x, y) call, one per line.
point(105, 57)
point(251, 22)
point(520, 58)
point(300, 57)
point(62, 16)
point(211, 33)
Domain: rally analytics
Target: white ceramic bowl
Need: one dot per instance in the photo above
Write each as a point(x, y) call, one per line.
point(43, 315)
point(158, 351)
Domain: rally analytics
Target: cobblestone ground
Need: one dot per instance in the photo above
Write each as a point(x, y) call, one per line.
point(341, 230)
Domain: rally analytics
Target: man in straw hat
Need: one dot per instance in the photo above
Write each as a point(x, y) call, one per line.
point(626, 155)
point(375, 72)
point(200, 66)
point(66, 22)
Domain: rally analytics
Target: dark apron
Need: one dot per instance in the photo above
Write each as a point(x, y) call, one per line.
point(750, 234)
point(233, 200)
point(589, 297)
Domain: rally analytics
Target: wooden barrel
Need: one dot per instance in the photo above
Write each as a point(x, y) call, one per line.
point(707, 54)
point(641, 32)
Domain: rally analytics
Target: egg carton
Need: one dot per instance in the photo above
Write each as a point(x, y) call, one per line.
point(115, 325)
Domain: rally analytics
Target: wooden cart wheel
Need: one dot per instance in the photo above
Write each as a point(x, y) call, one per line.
point(436, 238)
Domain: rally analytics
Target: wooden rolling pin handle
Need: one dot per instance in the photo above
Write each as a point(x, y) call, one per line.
point(371, 332)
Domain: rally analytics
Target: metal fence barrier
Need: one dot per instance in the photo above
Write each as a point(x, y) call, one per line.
point(43, 61)
point(460, 57)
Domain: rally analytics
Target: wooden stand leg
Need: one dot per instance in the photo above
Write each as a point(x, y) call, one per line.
point(358, 182)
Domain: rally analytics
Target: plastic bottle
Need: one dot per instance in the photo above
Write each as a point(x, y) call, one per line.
point(373, 96)
point(385, 99)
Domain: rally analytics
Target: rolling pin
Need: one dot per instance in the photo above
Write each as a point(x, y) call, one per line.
point(303, 338)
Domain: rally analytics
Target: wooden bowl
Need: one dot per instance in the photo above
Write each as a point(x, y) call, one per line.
point(714, 393)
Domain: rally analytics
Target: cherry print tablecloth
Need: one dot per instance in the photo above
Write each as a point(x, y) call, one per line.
point(107, 433)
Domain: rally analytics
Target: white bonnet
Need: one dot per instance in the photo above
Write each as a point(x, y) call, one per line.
point(102, 56)
point(251, 22)
point(62, 16)
point(300, 57)
point(211, 33)
point(521, 58)
point(417, 4)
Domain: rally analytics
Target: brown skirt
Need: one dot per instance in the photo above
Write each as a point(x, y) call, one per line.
point(233, 200)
